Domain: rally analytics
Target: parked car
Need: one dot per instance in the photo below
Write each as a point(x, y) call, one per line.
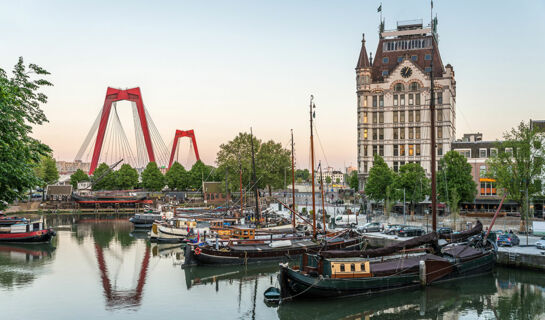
point(508, 239)
point(371, 227)
point(540, 244)
point(408, 231)
point(444, 230)
point(392, 228)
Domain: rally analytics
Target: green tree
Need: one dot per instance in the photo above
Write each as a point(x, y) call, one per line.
point(380, 178)
point(103, 178)
point(177, 178)
point(411, 178)
point(20, 110)
point(353, 181)
point(199, 172)
point(517, 171)
point(302, 174)
point(152, 178)
point(47, 171)
point(454, 181)
point(77, 177)
point(328, 180)
point(126, 177)
point(271, 160)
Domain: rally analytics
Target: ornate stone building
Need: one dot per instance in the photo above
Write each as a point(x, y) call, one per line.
point(393, 99)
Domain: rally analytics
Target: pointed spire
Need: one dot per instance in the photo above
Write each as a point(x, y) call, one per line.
point(363, 61)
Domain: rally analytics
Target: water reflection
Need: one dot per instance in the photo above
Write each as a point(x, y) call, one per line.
point(108, 270)
point(20, 264)
point(506, 294)
point(208, 275)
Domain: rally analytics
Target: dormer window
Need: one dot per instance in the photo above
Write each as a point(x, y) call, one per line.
point(399, 87)
point(414, 58)
point(384, 73)
point(427, 70)
point(427, 57)
point(399, 59)
point(385, 60)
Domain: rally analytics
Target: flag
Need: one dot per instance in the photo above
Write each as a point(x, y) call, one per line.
point(379, 9)
point(188, 228)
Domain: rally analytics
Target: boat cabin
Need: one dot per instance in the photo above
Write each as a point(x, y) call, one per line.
point(243, 233)
point(350, 269)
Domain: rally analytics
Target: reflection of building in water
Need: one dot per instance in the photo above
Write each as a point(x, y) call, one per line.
point(20, 264)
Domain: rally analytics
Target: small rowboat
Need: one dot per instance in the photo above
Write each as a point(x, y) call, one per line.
point(272, 295)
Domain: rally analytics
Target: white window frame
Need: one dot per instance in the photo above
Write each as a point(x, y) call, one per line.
point(485, 153)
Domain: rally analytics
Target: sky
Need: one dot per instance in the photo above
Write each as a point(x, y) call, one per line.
point(221, 67)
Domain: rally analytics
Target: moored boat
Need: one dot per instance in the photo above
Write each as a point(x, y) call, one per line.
point(331, 274)
point(22, 230)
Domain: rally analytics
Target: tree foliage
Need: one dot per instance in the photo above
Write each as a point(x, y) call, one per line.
point(126, 177)
point(177, 178)
point(271, 160)
point(454, 180)
point(411, 178)
point(47, 171)
point(77, 177)
point(380, 178)
point(353, 181)
point(103, 178)
point(200, 172)
point(152, 178)
point(518, 172)
point(20, 100)
point(302, 174)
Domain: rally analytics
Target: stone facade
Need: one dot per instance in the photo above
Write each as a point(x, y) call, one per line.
point(393, 97)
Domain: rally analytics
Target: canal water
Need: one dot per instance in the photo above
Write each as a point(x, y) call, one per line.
point(105, 270)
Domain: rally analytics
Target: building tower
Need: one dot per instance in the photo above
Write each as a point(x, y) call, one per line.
point(393, 99)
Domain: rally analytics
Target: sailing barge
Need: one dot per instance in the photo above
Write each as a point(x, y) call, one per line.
point(266, 251)
point(330, 273)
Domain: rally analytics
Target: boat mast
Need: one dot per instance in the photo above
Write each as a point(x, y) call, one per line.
point(312, 167)
point(432, 131)
point(241, 197)
point(254, 180)
point(322, 186)
point(292, 182)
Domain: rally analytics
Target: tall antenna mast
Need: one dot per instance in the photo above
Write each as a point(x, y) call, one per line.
point(312, 106)
point(432, 126)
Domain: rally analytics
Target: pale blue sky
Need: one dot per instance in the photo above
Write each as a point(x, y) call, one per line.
point(220, 67)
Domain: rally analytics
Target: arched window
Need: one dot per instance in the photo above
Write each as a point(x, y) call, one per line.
point(399, 87)
point(342, 267)
point(414, 86)
point(352, 267)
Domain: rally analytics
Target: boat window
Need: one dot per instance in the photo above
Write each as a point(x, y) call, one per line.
point(342, 267)
point(352, 267)
point(362, 267)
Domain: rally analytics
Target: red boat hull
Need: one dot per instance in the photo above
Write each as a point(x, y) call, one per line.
point(37, 236)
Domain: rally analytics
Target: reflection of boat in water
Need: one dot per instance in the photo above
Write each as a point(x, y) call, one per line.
point(19, 262)
point(164, 250)
point(429, 302)
point(203, 275)
point(139, 234)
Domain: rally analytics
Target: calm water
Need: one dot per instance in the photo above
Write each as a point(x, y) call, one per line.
point(107, 271)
